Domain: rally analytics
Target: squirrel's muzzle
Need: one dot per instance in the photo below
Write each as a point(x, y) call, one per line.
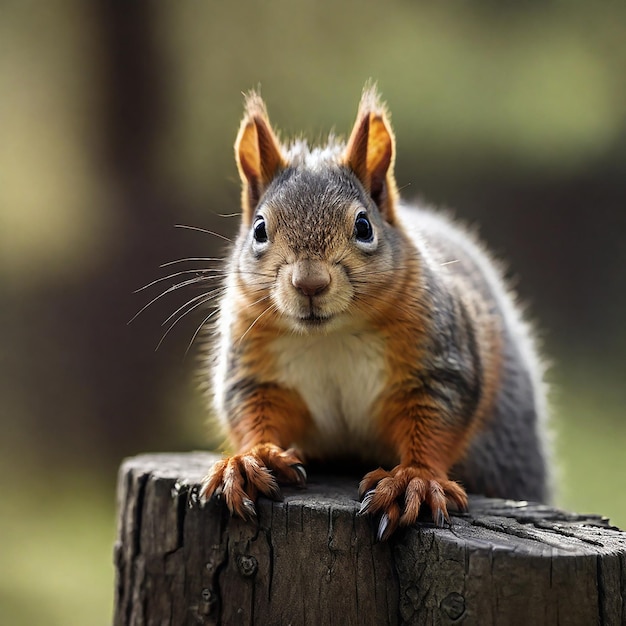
point(310, 277)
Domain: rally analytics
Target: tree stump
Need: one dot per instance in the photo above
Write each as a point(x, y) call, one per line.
point(312, 560)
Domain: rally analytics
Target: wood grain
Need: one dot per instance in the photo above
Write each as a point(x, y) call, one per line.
point(311, 560)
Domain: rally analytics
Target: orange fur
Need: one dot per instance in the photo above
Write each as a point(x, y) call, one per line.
point(272, 414)
point(426, 339)
point(258, 154)
point(370, 152)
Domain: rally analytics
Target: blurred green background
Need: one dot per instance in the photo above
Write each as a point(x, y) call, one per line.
point(117, 122)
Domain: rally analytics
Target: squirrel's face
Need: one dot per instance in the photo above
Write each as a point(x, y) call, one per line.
point(316, 242)
point(317, 251)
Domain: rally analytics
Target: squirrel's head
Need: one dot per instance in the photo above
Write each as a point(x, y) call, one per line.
point(316, 244)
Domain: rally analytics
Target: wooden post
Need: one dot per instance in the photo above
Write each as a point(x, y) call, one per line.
point(311, 560)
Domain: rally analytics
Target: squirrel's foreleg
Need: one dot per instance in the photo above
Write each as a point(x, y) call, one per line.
point(262, 424)
point(428, 444)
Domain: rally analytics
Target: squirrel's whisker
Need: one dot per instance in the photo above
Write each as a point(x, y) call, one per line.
point(203, 296)
point(271, 307)
point(200, 327)
point(203, 230)
point(198, 272)
point(192, 258)
point(203, 300)
point(164, 293)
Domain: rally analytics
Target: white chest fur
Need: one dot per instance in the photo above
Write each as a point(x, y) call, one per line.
point(339, 377)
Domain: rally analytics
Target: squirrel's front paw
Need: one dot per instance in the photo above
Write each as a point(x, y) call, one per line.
point(240, 478)
point(398, 495)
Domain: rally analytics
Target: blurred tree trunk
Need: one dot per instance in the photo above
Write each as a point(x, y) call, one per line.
point(100, 386)
point(131, 378)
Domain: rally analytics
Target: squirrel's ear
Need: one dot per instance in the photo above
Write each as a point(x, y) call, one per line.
point(258, 153)
point(370, 152)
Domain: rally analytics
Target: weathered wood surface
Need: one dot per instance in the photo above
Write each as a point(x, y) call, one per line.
point(311, 560)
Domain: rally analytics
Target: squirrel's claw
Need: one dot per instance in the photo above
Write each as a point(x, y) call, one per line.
point(382, 526)
point(239, 479)
point(439, 517)
point(302, 476)
point(366, 502)
point(398, 496)
point(389, 523)
point(249, 508)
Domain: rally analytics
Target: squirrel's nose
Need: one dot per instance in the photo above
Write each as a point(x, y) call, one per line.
point(310, 277)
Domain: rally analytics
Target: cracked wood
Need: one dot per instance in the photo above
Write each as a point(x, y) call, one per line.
point(311, 560)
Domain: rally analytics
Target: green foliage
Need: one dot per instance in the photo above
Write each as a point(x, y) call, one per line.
point(57, 552)
point(590, 436)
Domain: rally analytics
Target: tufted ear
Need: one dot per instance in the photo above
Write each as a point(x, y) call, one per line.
point(258, 154)
point(370, 152)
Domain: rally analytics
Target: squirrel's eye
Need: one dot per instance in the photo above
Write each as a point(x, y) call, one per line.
point(363, 230)
point(260, 232)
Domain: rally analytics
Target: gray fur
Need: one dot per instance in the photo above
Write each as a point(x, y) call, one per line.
point(508, 457)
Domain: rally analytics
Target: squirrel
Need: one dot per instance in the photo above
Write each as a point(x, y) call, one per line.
point(355, 326)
